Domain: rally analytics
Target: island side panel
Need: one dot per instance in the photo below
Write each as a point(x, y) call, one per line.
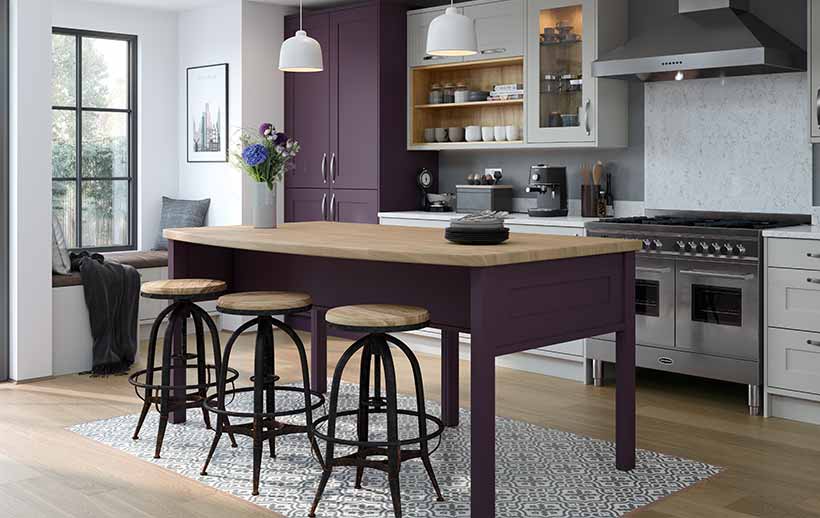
point(190, 261)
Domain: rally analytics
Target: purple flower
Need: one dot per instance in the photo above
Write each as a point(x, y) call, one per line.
point(254, 154)
point(281, 139)
point(265, 129)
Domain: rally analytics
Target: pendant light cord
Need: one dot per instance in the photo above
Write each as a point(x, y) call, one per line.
point(300, 15)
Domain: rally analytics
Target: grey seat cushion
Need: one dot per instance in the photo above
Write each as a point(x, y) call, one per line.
point(180, 214)
point(139, 260)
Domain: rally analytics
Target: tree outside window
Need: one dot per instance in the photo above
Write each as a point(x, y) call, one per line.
point(94, 138)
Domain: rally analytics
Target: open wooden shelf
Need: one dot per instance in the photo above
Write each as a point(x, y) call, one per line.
point(474, 104)
point(479, 75)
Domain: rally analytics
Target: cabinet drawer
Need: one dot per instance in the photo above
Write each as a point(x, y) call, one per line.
point(553, 231)
point(793, 253)
point(794, 299)
point(794, 360)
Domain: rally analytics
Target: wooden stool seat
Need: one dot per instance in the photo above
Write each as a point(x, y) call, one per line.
point(263, 302)
point(378, 317)
point(176, 288)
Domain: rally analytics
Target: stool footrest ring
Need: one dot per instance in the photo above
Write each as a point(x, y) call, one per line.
point(211, 403)
point(439, 429)
point(134, 379)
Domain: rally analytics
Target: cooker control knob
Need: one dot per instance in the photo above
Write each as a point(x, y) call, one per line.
point(691, 247)
point(703, 247)
point(657, 244)
point(727, 249)
point(646, 244)
point(740, 250)
point(714, 248)
point(680, 246)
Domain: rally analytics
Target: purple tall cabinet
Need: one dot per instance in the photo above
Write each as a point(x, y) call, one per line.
point(350, 119)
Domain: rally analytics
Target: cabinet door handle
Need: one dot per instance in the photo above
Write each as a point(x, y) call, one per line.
point(813, 342)
point(333, 167)
point(324, 207)
point(813, 281)
point(587, 106)
point(333, 207)
point(324, 167)
point(494, 51)
point(818, 106)
point(813, 255)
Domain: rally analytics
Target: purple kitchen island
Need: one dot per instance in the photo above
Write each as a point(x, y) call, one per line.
point(530, 292)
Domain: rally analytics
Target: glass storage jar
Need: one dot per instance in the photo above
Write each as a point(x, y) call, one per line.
point(435, 95)
point(448, 93)
point(462, 93)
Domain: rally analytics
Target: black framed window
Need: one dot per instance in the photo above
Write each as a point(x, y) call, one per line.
point(94, 138)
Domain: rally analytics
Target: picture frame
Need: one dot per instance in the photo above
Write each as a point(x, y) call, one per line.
point(206, 108)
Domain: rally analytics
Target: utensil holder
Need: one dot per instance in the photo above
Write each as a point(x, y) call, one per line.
point(589, 201)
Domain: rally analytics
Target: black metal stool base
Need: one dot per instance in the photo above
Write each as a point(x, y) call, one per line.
point(264, 425)
point(377, 352)
point(168, 395)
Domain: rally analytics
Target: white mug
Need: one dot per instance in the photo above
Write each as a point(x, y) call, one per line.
point(429, 134)
point(473, 133)
point(500, 133)
point(487, 133)
point(513, 133)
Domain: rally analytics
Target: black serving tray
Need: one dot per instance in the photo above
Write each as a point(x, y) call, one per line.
point(476, 237)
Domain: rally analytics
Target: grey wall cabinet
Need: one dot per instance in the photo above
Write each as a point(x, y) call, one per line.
point(499, 28)
point(814, 69)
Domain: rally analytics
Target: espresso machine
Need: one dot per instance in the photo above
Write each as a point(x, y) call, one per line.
point(550, 186)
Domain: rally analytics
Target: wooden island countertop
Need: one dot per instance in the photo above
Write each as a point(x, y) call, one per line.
point(397, 244)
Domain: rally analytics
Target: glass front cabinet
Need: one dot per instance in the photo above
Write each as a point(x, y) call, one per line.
point(566, 106)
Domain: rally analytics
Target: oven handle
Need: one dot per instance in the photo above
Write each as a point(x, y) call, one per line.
point(720, 275)
point(813, 280)
point(647, 269)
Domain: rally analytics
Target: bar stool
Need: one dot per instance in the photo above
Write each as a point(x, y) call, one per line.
point(263, 424)
point(184, 293)
point(377, 320)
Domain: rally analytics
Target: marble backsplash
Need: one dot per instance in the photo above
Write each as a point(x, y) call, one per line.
point(733, 144)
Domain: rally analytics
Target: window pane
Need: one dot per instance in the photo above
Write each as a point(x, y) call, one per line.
point(105, 144)
point(64, 205)
point(64, 70)
point(105, 213)
point(105, 73)
point(63, 143)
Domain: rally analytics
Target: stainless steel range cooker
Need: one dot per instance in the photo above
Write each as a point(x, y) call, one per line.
point(698, 294)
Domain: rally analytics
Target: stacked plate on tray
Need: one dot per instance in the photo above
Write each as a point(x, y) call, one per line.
point(484, 228)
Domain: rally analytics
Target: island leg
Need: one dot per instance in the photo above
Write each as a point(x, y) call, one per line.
point(449, 377)
point(318, 350)
point(625, 375)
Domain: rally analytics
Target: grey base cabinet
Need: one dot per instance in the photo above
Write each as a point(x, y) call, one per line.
point(349, 118)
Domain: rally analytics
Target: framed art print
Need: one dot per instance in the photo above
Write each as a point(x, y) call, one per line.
point(207, 109)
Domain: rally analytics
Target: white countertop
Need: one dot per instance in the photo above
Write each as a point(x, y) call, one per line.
point(515, 218)
point(798, 232)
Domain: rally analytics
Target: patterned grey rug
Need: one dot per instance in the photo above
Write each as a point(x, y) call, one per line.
point(540, 472)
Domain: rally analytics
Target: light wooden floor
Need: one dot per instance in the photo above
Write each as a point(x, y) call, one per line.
point(772, 466)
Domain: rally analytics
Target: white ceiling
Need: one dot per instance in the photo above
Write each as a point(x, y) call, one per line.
point(184, 5)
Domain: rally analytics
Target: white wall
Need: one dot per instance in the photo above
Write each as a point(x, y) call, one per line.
point(207, 36)
point(30, 190)
point(263, 85)
point(157, 153)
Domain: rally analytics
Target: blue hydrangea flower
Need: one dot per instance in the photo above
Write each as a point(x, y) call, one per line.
point(254, 154)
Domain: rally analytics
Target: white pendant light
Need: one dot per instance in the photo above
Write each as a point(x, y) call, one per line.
point(452, 34)
point(300, 52)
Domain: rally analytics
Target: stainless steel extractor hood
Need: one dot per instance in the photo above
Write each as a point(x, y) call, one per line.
point(707, 38)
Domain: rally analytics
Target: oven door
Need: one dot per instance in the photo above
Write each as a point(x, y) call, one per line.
point(718, 309)
point(655, 301)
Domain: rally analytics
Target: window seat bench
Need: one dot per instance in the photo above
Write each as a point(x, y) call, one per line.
point(71, 332)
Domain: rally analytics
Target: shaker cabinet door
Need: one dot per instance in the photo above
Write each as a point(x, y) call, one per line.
point(417, 26)
point(306, 205)
point(354, 206)
point(814, 66)
point(354, 99)
point(307, 111)
point(499, 27)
